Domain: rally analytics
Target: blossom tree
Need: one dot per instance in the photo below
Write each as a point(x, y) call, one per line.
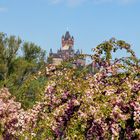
point(81, 105)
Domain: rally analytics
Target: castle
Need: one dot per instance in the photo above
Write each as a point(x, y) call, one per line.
point(66, 52)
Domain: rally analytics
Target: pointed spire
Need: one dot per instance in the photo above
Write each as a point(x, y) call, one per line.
point(67, 35)
point(51, 51)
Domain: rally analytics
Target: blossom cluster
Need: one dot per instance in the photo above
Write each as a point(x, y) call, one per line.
point(14, 119)
point(80, 105)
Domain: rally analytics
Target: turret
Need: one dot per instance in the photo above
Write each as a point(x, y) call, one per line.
point(67, 41)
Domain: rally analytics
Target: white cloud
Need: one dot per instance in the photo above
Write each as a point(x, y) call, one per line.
point(56, 1)
point(68, 2)
point(114, 1)
point(3, 9)
point(77, 2)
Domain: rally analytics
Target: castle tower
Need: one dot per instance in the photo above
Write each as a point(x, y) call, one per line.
point(66, 52)
point(67, 41)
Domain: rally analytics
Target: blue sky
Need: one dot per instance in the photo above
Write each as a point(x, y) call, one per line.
point(89, 21)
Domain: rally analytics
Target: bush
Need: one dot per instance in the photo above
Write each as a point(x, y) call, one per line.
point(76, 104)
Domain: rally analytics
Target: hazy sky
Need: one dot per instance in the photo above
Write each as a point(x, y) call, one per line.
point(89, 21)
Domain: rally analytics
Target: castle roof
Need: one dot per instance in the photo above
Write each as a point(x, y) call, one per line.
point(67, 35)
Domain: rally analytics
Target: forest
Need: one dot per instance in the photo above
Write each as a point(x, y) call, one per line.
point(39, 101)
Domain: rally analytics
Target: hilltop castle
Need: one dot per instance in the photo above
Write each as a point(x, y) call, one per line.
point(66, 52)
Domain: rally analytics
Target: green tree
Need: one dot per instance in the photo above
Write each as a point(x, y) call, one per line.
point(16, 70)
point(9, 47)
point(32, 52)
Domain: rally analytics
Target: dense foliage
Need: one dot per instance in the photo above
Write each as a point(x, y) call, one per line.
point(19, 61)
point(77, 103)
